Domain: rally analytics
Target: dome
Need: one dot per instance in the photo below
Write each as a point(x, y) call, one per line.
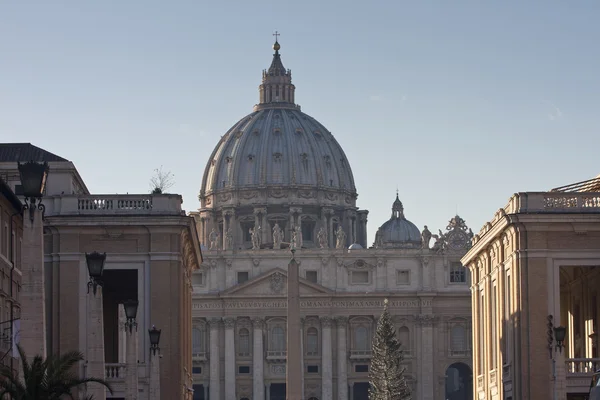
point(276, 148)
point(398, 232)
point(355, 246)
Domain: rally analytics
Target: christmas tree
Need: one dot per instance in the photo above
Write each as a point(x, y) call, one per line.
point(386, 375)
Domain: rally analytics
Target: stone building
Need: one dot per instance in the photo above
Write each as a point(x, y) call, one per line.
point(536, 266)
point(279, 179)
point(11, 237)
point(152, 248)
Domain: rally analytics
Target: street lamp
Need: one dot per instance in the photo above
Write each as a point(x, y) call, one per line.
point(33, 179)
point(559, 335)
point(154, 339)
point(131, 307)
point(95, 264)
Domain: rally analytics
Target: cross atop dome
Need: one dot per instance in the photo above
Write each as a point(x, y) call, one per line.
point(276, 89)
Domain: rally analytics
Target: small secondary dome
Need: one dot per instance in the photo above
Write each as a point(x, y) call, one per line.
point(355, 246)
point(398, 232)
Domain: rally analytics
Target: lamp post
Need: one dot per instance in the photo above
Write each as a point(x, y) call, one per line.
point(95, 325)
point(154, 389)
point(555, 334)
point(131, 374)
point(32, 334)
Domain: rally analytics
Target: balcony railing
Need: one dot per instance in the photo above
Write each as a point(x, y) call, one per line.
point(360, 354)
point(115, 372)
point(582, 366)
point(117, 204)
point(276, 355)
point(460, 353)
point(199, 356)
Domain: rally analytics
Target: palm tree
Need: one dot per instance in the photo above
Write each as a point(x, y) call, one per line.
point(48, 379)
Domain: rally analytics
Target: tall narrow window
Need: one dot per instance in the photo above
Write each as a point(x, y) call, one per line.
point(457, 273)
point(493, 330)
point(404, 338)
point(458, 339)
point(278, 337)
point(481, 333)
point(244, 342)
point(198, 340)
point(312, 342)
point(361, 339)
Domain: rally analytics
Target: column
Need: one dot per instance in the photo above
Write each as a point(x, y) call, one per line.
point(154, 381)
point(326, 360)
point(302, 320)
point(226, 217)
point(32, 333)
point(293, 371)
point(229, 359)
point(258, 390)
point(215, 368)
point(342, 372)
point(131, 373)
point(427, 370)
point(95, 344)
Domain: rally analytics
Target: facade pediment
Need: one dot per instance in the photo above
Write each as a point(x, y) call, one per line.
point(273, 282)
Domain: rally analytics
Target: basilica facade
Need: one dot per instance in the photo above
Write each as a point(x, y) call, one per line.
point(279, 180)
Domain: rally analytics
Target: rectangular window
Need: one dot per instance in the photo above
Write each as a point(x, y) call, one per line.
point(197, 279)
point(361, 368)
point(307, 231)
point(481, 333)
point(311, 276)
point(457, 273)
point(493, 332)
point(403, 277)
point(242, 277)
point(196, 370)
point(312, 369)
point(360, 276)
point(244, 369)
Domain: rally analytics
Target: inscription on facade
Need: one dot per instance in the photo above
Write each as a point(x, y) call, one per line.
point(313, 304)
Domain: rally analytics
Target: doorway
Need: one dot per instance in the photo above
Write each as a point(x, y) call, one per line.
point(277, 391)
point(459, 382)
point(360, 391)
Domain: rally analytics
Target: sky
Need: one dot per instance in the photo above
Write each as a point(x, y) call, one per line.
point(455, 104)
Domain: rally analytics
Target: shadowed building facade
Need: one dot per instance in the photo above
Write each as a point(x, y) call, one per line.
point(536, 267)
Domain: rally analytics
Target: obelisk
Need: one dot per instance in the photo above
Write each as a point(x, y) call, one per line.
point(293, 369)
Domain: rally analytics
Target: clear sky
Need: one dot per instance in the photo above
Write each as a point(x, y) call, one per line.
point(458, 104)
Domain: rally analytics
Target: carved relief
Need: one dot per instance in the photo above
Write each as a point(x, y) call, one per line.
point(258, 323)
point(278, 369)
point(331, 196)
point(229, 323)
point(326, 322)
point(249, 195)
point(224, 197)
point(278, 194)
point(277, 282)
point(425, 319)
point(307, 194)
point(256, 262)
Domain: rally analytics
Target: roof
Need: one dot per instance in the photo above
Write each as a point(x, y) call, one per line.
point(23, 152)
point(7, 192)
point(591, 185)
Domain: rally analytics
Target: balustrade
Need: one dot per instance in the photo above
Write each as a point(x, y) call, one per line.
point(128, 204)
point(360, 354)
point(115, 372)
point(582, 366)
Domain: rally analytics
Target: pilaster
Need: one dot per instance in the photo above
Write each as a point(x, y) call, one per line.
point(229, 324)
point(95, 344)
point(326, 360)
point(342, 358)
point(258, 391)
point(215, 367)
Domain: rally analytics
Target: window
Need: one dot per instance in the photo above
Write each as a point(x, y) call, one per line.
point(361, 338)
point(196, 370)
point(312, 369)
point(458, 339)
point(403, 277)
point(360, 277)
point(312, 342)
point(493, 329)
point(311, 276)
point(457, 273)
point(242, 277)
point(361, 368)
point(404, 338)
point(278, 339)
point(198, 340)
point(244, 342)
point(197, 279)
point(307, 231)
point(244, 369)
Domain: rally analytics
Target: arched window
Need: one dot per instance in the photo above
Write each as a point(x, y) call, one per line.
point(404, 338)
point(361, 338)
point(312, 342)
point(198, 340)
point(244, 342)
point(458, 339)
point(278, 338)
